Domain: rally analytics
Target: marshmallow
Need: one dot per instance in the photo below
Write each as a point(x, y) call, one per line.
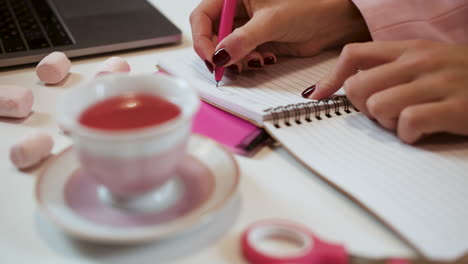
point(111, 65)
point(31, 150)
point(15, 101)
point(53, 68)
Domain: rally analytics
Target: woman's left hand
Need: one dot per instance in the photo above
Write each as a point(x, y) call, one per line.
point(414, 87)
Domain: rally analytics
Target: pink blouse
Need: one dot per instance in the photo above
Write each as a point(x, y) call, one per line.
point(438, 20)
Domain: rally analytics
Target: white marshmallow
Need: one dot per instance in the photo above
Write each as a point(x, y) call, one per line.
point(111, 65)
point(31, 150)
point(15, 101)
point(53, 68)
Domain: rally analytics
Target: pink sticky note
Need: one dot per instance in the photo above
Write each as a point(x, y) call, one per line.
point(234, 132)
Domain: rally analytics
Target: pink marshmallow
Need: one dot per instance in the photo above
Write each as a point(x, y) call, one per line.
point(15, 101)
point(53, 68)
point(111, 65)
point(31, 150)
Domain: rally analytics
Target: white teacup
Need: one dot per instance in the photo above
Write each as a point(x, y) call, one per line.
point(129, 163)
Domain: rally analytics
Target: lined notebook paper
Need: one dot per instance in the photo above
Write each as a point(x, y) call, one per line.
point(251, 93)
point(421, 191)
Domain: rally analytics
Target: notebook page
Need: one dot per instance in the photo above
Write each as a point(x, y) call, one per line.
point(420, 191)
point(249, 93)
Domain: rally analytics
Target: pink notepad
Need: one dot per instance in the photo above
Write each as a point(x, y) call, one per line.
point(240, 136)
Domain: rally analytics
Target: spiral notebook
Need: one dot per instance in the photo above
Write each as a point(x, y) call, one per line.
point(418, 191)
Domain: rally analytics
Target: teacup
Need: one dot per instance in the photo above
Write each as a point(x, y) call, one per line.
point(129, 156)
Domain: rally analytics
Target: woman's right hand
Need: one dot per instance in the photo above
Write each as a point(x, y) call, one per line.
point(265, 28)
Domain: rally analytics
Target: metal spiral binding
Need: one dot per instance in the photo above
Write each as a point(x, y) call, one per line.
point(291, 114)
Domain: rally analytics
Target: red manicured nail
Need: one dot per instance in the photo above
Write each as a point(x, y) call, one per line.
point(269, 60)
point(307, 92)
point(254, 63)
point(221, 57)
point(209, 66)
point(233, 68)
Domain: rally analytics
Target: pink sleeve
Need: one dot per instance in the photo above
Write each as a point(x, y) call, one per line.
point(438, 20)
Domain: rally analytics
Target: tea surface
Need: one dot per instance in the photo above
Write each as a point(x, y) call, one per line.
point(130, 111)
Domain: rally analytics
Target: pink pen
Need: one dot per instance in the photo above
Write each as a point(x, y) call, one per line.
point(225, 28)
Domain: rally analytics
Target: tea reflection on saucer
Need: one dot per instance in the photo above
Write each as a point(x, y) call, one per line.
point(192, 186)
point(206, 180)
point(155, 201)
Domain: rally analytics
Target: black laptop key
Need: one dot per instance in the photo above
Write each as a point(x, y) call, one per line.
point(32, 32)
point(56, 32)
point(52, 25)
point(59, 38)
point(35, 39)
point(13, 44)
point(10, 36)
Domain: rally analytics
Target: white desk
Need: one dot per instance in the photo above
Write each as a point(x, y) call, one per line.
point(273, 185)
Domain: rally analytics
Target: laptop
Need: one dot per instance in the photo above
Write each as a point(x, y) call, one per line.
point(31, 29)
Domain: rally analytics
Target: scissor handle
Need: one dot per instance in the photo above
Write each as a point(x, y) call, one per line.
point(310, 250)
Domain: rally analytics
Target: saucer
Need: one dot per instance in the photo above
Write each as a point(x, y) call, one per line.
point(205, 181)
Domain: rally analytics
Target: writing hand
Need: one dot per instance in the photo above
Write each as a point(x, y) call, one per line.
point(265, 28)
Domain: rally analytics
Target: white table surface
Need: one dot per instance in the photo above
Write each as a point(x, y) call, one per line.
point(273, 185)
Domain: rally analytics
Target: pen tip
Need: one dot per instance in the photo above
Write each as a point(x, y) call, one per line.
point(217, 84)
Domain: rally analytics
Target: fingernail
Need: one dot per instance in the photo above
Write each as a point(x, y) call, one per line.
point(307, 92)
point(254, 63)
point(233, 68)
point(269, 60)
point(209, 66)
point(221, 57)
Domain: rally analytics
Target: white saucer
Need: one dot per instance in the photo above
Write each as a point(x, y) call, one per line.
point(209, 175)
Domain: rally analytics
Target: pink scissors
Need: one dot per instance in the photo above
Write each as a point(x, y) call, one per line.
point(310, 249)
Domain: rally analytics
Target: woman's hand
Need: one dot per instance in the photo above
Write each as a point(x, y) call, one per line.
point(413, 87)
point(268, 27)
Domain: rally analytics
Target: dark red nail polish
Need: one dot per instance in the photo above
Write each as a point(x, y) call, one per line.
point(254, 63)
point(269, 60)
point(307, 92)
point(221, 57)
point(209, 66)
point(233, 68)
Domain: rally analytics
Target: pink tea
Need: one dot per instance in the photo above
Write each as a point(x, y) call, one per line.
point(129, 111)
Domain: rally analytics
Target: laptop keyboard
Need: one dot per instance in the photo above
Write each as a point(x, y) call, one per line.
point(29, 25)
